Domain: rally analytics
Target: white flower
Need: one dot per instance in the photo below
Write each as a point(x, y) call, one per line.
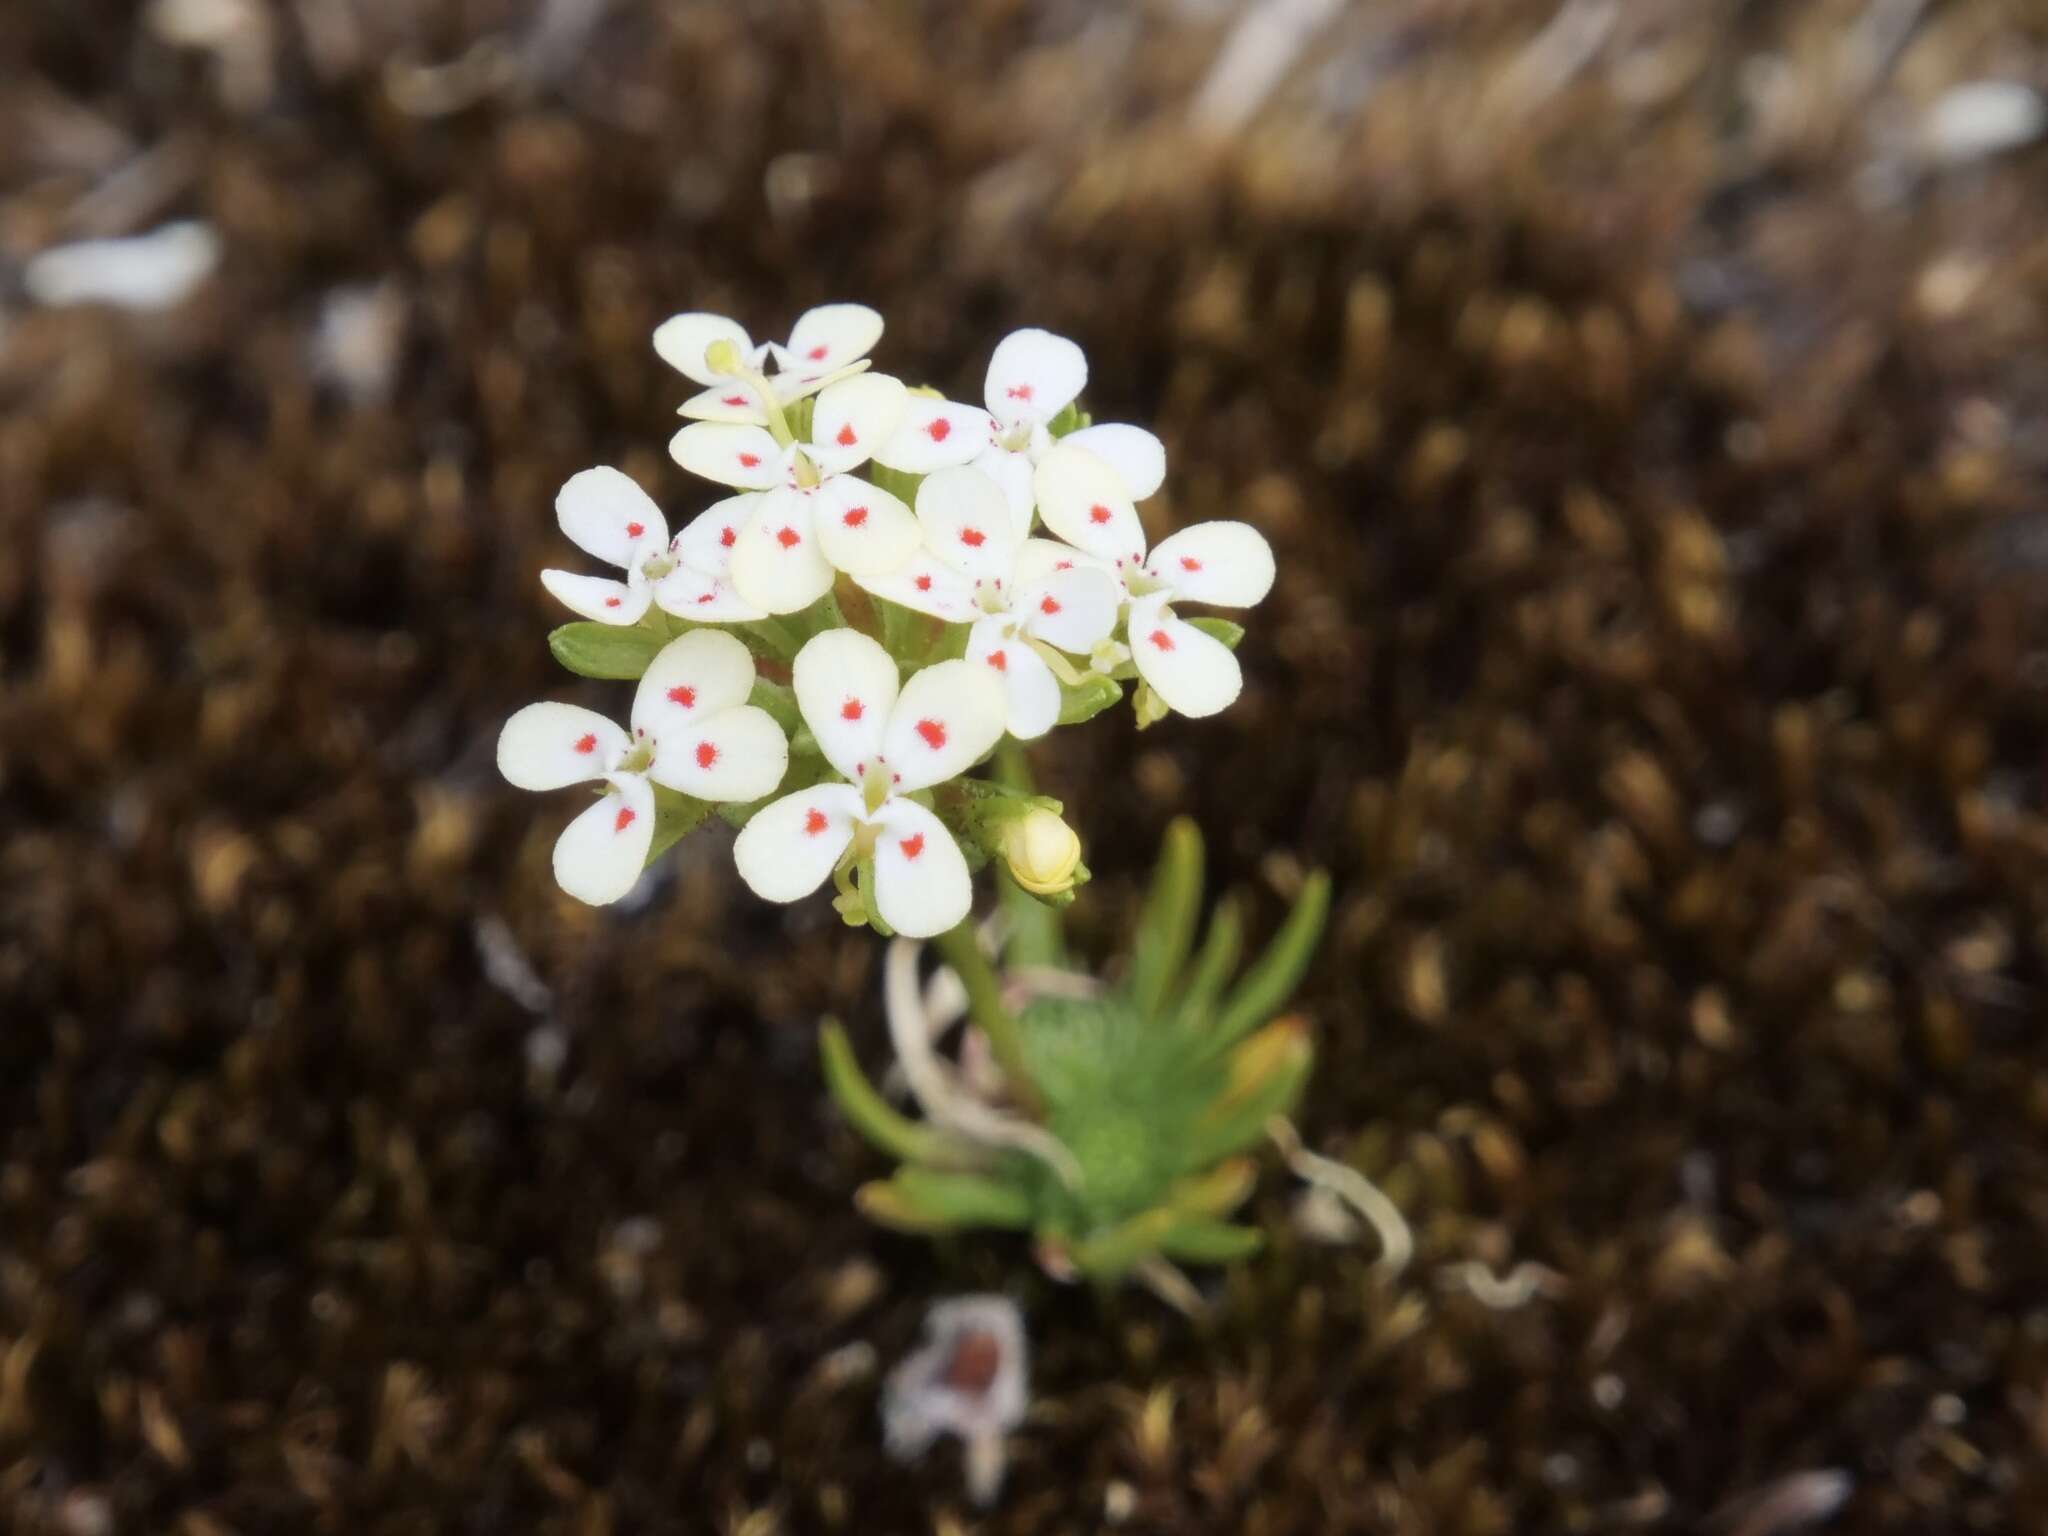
point(1032, 376)
point(606, 515)
point(827, 344)
point(887, 744)
point(815, 516)
point(693, 731)
point(1021, 595)
point(1227, 564)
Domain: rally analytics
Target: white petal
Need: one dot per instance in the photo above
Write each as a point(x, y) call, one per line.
point(1039, 558)
point(1031, 694)
point(690, 679)
point(1228, 564)
point(1083, 501)
point(1136, 455)
point(831, 336)
point(935, 434)
point(792, 387)
point(689, 593)
point(1032, 376)
point(605, 514)
point(1194, 673)
point(922, 887)
point(853, 418)
point(598, 597)
point(600, 854)
point(1012, 473)
point(730, 454)
point(927, 584)
point(776, 562)
point(949, 715)
point(967, 524)
point(707, 541)
point(1073, 609)
point(862, 528)
point(725, 402)
point(845, 686)
point(736, 755)
point(786, 851)
point(681, 341)
point(547, 746)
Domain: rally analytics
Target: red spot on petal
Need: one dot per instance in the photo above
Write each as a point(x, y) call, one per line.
point(923, 583)
point(634, 530)
point(707, 597)
point(939, 428)
point(625, 818)
point(788, 538)
point(734, 400)
point(1063, 565)
point(818, 354)
point(973, 538)
point(588, 743)
point(846, 439)
point(852, 709)
point(999, 661)
point(1019, 391)
point(707, 754)
point(1098, 513)
point(814, 823)
point(855, 516)
point(1161, 639)
point(913, 845)
point(1190, 563)
point(933, 732)
point(726, 537)
point(684, 695)
point(612, 602)
point(749, 460)
point(1048, 604)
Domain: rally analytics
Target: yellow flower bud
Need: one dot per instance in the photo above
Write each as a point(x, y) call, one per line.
point(1042, 851)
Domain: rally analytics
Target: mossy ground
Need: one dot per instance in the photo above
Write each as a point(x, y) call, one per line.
point(1659, 661)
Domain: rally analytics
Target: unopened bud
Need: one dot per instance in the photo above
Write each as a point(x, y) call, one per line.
point(1042, 851)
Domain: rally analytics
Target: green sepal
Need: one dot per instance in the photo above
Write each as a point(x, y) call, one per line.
point(676, 816)
point(615, 652)
point(1070, 419)
point(1265, 988)
point(1166, 926)
point(1089, 698)
point(799, 414)
point(769, 639)
point(1229, 631)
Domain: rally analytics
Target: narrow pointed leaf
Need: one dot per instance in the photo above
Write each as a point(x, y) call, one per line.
point(1198, 1241)
point(1267, 1074)
point(866, 1111)
point(611, 651)
point(949, 1200)
point(1221, 948)
point(1271, 981)
point(1166, 928)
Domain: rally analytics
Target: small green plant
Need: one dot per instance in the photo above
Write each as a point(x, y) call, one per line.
point(1115, 1123)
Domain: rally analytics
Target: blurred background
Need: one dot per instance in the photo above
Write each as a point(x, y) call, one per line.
point(1645, 400)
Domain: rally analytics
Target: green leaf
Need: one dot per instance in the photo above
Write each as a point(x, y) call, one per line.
point(867, 1112)
point(1214, 962)
point(1226, 630)
point(1211, 1242)
point(1275, 1071)
point(927, 1200)
point(1268, 984)
point(615, 651)
point(1110, 1254)
point(676, 816)
point(1091, 697)
point(1166, 927)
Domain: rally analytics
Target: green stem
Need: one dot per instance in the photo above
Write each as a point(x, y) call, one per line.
point(1035, 937)
point(958, 948)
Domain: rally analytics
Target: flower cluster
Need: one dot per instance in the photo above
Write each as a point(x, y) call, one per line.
point(826, 652)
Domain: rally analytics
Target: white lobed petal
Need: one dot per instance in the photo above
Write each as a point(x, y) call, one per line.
point(935, 434)
point(792, 387)
point(1225, 563)
point(967, 524)
point(682, 340)
point(922, 887)
point(1073, 609)
point(600, 854)
point(707, 541)
point(607, 515)
point(1033, 375)
point(830, 337)
point(733, 755)
point(787, 849)
point(1012, 473)
point(845, 688)
point(863, 529)
point(689, 593)
point(690, 679)
point(729, 401)
point(948, 716)
point(1195, 674)
point(1031, 694)
point(1082, 500)
point(777, 564)
point(550, 746)
point(927, 584)
point(727, 453)
point(853, 418)
point(1136, 455)
point(598, 597)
